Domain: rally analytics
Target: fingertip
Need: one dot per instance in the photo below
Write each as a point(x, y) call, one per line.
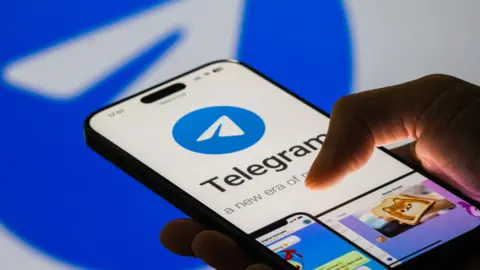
point(323, 174)
point(204, 242)
point(177, 236)
point(218, 251)
point(335, 161)
point(320, 183)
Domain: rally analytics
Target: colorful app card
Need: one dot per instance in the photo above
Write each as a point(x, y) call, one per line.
point(316, 247)
point(414, 219)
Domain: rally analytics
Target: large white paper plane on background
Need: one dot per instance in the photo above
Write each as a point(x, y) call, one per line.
point(71, 67)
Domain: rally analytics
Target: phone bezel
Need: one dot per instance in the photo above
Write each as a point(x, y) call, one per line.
point(207, 217)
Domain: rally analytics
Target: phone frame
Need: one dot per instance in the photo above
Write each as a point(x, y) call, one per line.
point(277, 224)
point(210, 219)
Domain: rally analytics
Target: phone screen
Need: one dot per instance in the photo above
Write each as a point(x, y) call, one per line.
point(242, 146)
point(306, 244)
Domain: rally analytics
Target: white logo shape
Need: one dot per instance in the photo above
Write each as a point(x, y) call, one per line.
point(227, 127)
point(71, 67)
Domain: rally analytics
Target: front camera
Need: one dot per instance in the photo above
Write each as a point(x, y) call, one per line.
point(163, 93)
point(307, 221)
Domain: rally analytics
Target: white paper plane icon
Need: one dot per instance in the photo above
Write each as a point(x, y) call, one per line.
point(227, 127)
point(71, 67)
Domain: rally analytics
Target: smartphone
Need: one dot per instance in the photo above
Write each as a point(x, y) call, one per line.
point(231, 148)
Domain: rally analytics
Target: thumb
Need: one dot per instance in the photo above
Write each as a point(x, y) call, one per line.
point(361, 121)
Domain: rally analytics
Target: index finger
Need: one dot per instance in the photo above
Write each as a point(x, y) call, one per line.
point(362, 121)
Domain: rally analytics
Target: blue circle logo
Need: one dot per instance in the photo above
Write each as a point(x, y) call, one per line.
point(218, 130)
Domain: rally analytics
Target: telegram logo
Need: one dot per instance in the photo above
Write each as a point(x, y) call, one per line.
point(218, 130)
point(60, 62)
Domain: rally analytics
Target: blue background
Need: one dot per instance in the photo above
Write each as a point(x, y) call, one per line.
point(64, 200)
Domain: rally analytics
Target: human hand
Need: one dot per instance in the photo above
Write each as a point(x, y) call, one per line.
point(439, 112)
